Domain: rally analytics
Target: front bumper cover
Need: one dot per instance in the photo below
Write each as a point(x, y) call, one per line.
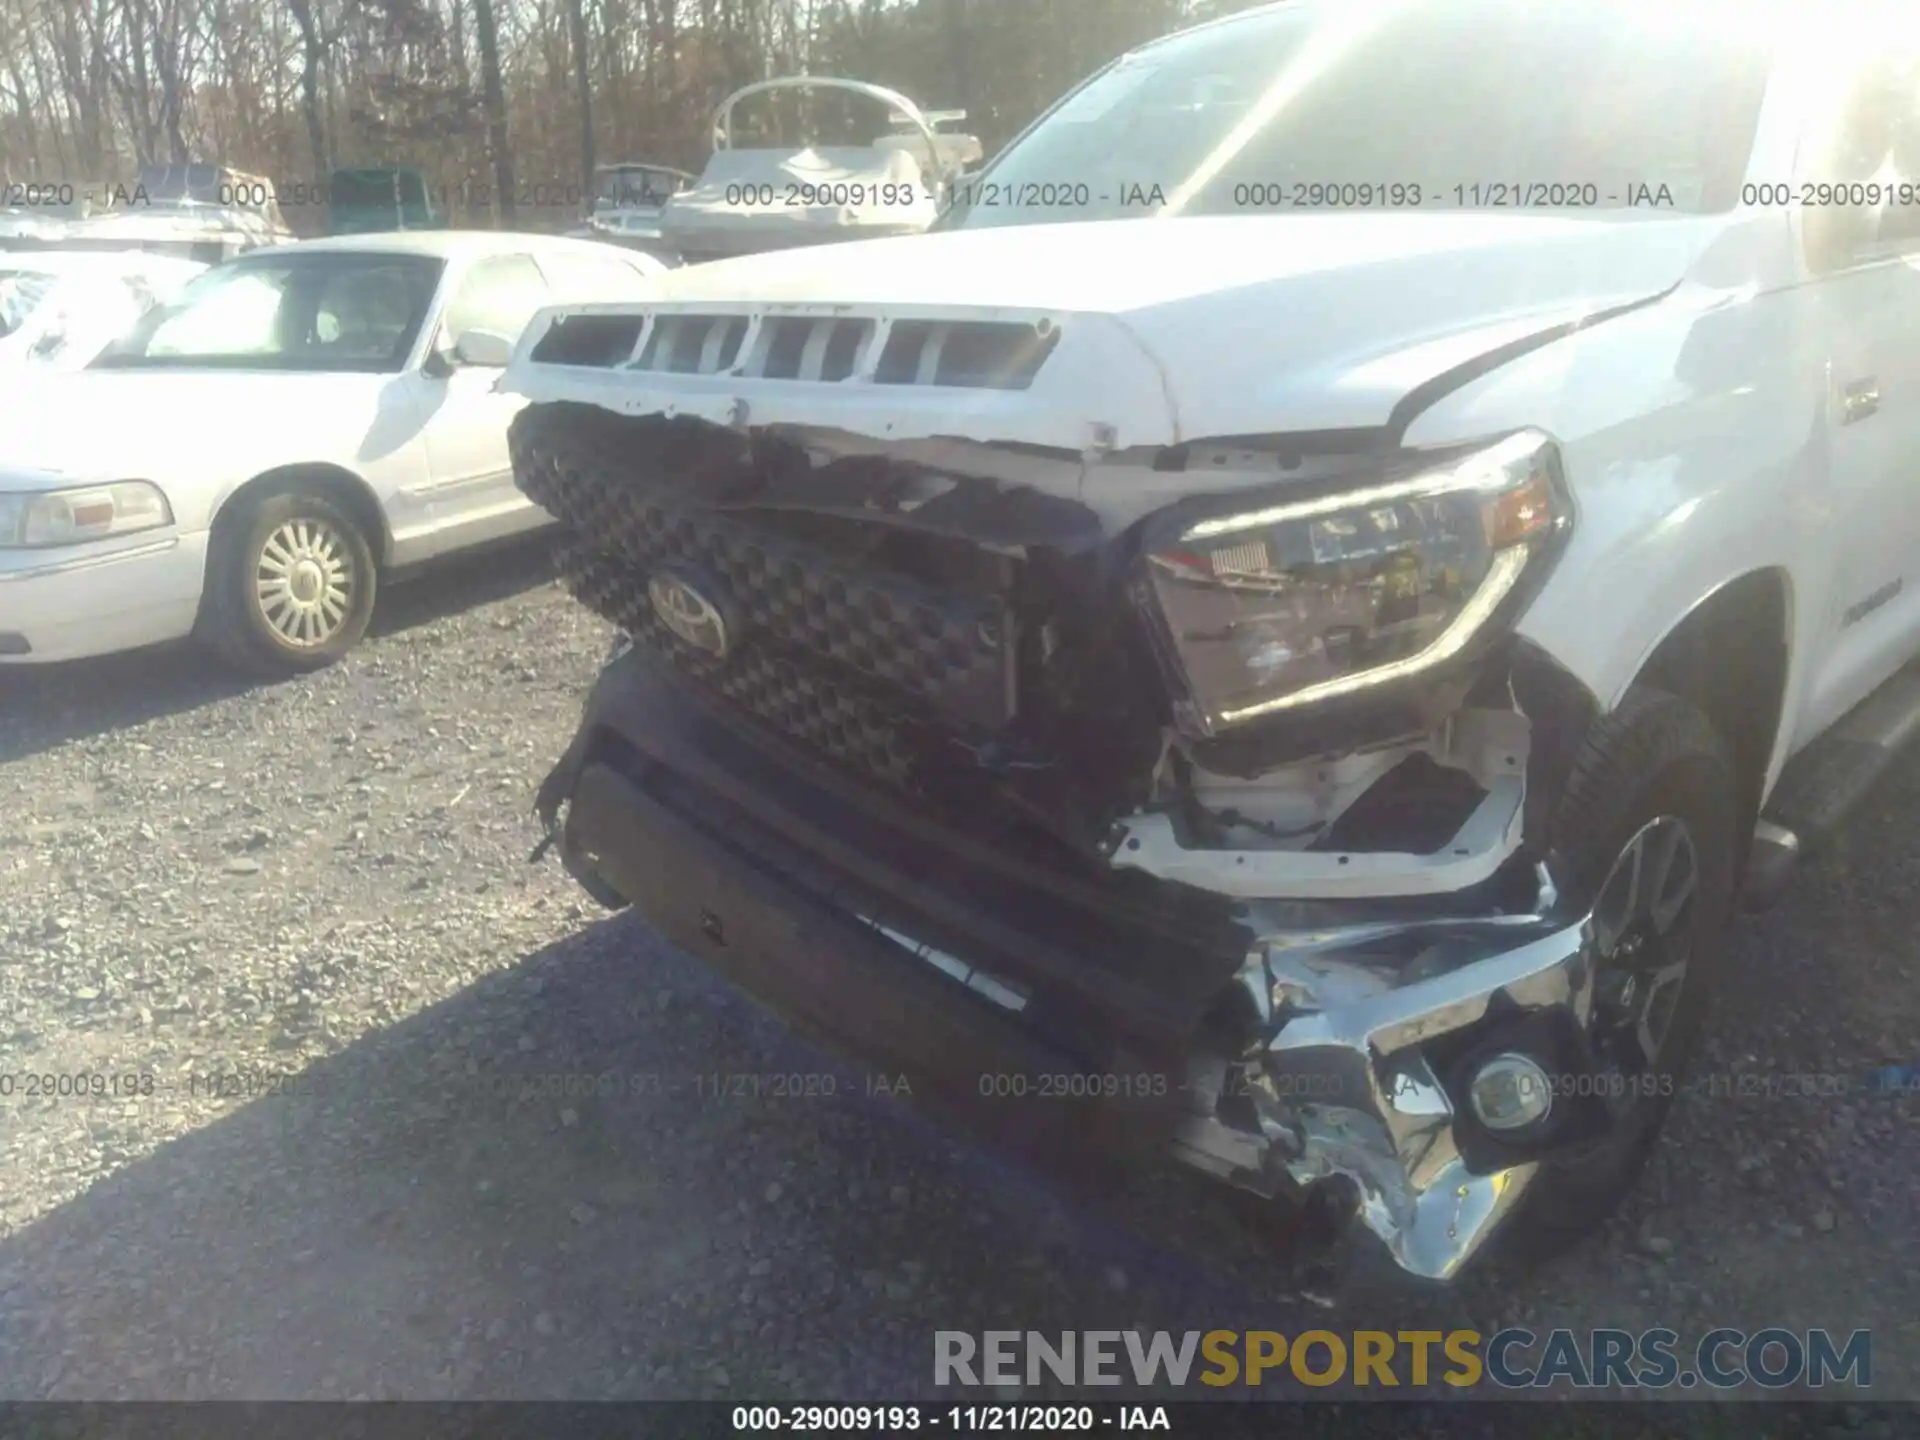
point(1352, 1082)
point(1362, 1031)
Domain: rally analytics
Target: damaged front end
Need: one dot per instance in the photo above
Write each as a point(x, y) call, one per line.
point(1225, 756)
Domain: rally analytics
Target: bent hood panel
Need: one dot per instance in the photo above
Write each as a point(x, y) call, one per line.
point(1170, 330)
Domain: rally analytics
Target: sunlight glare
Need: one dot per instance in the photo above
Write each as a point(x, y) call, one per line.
point(1333, 40)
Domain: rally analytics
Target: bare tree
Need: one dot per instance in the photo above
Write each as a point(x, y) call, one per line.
point(494, 97)
point(313, 62)
point(90, 88)
point(583, 82)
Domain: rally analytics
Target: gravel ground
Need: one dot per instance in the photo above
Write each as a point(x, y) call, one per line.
point(304, 910)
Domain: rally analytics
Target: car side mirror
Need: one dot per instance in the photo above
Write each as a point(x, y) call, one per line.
point(51, 341)
point(483, 350)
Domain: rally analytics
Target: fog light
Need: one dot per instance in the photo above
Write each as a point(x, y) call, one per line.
point(1510, 1092)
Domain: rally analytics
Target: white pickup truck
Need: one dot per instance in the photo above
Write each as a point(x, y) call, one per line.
point(1281, 632)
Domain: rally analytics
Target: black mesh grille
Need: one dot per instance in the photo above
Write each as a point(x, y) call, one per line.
point(835, 715)
point(873, 668)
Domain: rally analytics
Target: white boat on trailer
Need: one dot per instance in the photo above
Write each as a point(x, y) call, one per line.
point(198, 212)
point(628, 198)
point(750, 199)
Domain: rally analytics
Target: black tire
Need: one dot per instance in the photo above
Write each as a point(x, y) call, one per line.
point(245, 565)
point(1656, 759)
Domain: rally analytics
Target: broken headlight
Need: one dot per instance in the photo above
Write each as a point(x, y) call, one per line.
point(1265, 610)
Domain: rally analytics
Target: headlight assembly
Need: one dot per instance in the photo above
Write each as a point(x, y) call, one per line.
point(40, 519)
point(1271, 609)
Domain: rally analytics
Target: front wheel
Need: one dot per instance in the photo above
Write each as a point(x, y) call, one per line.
point(1647, 828)
point(290, 585)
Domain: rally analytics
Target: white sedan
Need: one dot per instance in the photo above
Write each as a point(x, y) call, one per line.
point(60, 308)
point(246, 463)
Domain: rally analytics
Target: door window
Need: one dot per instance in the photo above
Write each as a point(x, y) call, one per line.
point(298, 310)
point(237, 312)
point(499, 295)
point(1864, 203)
point(365, 314)
point(1900, 219)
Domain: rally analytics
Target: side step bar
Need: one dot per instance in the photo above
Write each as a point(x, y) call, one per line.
point(1822, 785)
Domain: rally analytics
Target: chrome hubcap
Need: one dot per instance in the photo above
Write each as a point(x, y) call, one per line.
point(304, 580)
point(1642, 926)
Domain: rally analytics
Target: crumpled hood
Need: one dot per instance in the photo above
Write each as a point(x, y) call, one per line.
point(1231, 326)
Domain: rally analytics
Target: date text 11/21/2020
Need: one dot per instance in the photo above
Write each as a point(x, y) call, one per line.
point(244, 1081)
point(248, 1083)
point(903, 1419)
point(470, 193)
point(247, 193)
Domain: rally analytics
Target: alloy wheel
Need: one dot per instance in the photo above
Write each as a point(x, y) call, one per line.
point(304, 581)
point(1642, 926)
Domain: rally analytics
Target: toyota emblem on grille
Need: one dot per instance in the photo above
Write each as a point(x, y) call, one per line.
point(689, 614)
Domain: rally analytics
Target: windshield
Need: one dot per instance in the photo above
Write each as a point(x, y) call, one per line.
point(177, 184)
point(21, 292)
point(1421, 104)
point(373, 187)
point(379, 199)
point(322, 311)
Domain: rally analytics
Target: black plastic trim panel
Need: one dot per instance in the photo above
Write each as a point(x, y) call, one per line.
point(1113, 958)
